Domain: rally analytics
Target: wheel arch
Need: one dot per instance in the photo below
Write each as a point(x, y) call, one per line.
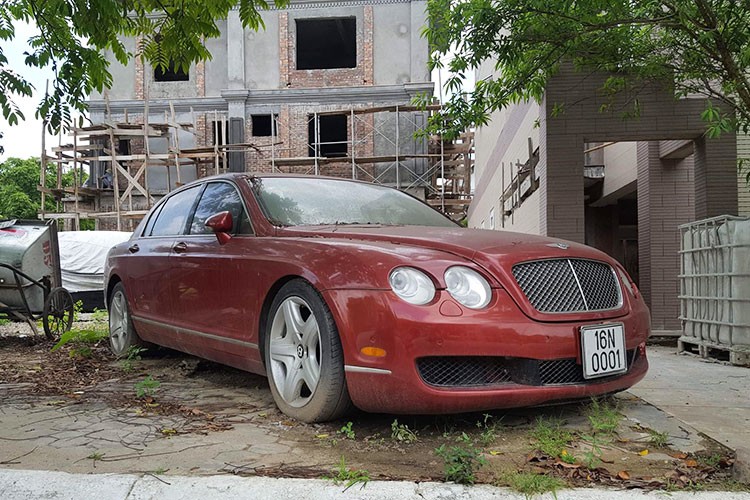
point(113, 281)
point(266, 309)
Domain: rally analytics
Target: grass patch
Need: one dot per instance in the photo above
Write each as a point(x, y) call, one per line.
point(530, 484)
point(550, 438)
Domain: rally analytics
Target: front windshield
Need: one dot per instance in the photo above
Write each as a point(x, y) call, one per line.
point(299, 201)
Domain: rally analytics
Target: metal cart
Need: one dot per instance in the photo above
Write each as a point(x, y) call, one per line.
point(30, 281)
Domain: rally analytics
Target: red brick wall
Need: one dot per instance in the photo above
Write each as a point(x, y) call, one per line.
point(290, 76)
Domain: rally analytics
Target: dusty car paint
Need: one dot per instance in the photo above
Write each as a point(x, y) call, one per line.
point(191, 293)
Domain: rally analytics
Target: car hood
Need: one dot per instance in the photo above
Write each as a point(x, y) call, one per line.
point(495, 251)
point(474, 244)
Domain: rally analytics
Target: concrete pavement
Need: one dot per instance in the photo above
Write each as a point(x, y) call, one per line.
point(28, 485)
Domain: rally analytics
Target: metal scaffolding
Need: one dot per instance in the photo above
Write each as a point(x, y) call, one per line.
point(382, 146)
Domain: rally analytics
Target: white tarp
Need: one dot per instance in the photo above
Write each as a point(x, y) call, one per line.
point(82, 257)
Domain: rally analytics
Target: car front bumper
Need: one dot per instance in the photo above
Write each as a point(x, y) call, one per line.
point(443, 329)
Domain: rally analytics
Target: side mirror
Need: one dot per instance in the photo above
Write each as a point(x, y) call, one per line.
point(221, 224)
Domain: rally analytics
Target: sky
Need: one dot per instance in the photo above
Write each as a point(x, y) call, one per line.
point(25, 139)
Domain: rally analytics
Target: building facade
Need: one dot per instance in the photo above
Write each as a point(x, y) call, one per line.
point(574, 166)
point(297, 89)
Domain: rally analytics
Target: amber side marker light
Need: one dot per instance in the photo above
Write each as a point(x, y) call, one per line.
point(375, 352)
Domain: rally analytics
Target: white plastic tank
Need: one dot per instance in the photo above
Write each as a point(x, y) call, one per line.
point(715, 291)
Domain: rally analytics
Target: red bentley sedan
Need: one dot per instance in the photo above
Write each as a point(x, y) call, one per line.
point(348, 293)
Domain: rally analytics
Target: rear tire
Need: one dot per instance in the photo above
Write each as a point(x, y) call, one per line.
point(122, 334)
point(303, 356)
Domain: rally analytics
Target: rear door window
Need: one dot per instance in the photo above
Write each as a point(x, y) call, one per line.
point(173, 217)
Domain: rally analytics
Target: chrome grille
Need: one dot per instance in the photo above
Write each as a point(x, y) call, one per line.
point(568, 285)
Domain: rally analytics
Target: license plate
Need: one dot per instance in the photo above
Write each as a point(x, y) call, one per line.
point(603, 348)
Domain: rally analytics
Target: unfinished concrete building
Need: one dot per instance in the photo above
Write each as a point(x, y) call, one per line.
point(325, 89)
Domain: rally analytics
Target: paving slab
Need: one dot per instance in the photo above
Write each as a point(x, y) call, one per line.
point(710, 396)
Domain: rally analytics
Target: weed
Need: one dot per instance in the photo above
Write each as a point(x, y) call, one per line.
point(592, 457)
point(348, 477)
point(402, 433)
point(461, 461)
point(97, 455)
point(550, 438)
point(490, 429)
point(146, 387)
point(4, 321)
point(530, 484)
point(159, 471)
point(133, 354)
point(77, 310)
point(99, 315)
point(709, 461)
point(658, 439)
point(347, 431)
point(568, 458)
point(87, 336)
point(604, 417)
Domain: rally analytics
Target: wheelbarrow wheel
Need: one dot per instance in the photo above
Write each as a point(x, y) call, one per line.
point(57, 317)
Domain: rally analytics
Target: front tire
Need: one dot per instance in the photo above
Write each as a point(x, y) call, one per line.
point(122, 334)
point(303, 356)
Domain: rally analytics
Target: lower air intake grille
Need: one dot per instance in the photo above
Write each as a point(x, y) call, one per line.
point(486, 371)
point(474, 371)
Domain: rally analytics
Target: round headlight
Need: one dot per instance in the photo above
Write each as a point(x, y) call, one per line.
point(468, 287)
point(414, 286)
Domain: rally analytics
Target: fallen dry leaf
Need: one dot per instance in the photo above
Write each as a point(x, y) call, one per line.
point(643, 453)
point(691, 463)
point(679, 455)
point(624, 475)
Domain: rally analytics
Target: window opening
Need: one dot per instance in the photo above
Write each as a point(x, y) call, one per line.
point(219, 132)
point(327, 43)
point(332, 136)
point(170, 74)
point(264, 125)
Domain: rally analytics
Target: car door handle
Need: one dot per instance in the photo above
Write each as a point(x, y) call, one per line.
point(180, 247)
point(133, 248)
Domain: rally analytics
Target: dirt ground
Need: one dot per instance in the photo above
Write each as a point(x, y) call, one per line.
point(77, 409)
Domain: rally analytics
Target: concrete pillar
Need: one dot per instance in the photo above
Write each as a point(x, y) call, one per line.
point(236, 100)
point(665, 201)
point(561, 183)
point(235, 51)
point(716, 176)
